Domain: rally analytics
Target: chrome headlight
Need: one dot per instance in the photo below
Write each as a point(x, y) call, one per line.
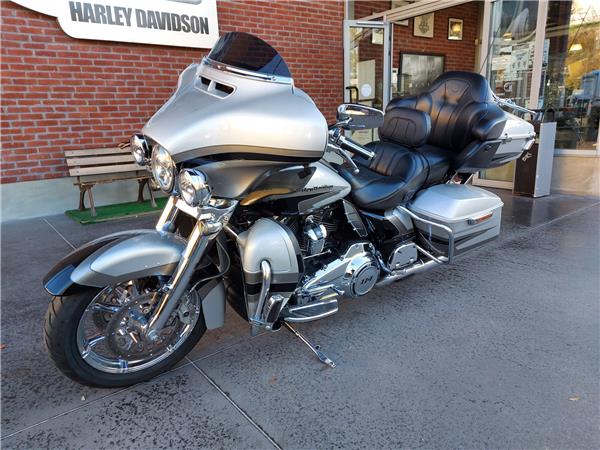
point(163, 168)
point(194, 187)
point(140, 149)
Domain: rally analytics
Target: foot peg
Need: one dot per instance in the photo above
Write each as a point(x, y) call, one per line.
point(315, 348)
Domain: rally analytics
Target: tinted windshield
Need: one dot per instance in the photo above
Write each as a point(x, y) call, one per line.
point(244, 51)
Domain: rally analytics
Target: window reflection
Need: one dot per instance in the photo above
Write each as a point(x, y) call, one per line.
point(571, 79)
point(513, 46)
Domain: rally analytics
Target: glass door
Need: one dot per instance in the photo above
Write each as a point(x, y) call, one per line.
point(510, 67)
point(367, 67)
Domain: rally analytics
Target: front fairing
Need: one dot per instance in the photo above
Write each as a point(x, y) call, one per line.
point(217, 112)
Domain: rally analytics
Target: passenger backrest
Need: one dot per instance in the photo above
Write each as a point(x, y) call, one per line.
point(461, 109)
point(409, 127)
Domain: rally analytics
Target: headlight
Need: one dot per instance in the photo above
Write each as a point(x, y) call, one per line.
point(140, 149)
point(194, 187)
point(163, 168)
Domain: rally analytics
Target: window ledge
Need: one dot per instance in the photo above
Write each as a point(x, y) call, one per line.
point(572, 152)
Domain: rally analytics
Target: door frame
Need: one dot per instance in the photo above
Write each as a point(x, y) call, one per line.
point(536, 76)
point(387, 55)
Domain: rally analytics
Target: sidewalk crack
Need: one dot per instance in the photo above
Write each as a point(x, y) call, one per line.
point(59, 233)
point(235, 405)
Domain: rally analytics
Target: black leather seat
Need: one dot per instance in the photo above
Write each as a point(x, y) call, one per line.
point(424, 138)
point(396, 172)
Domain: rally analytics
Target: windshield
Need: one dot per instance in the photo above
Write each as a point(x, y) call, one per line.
point(245, 51)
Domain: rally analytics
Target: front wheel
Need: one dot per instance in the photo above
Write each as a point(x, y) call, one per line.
point(96, 336)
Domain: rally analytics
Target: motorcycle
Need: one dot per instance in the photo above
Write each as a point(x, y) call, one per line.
point(275, 213)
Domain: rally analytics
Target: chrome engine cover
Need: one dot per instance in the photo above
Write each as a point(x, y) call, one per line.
point(353, 274)
point(403, 255)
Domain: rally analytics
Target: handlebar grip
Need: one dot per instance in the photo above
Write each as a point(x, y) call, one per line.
point(354, 147)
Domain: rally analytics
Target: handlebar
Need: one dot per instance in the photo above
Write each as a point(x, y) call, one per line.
point(354, 147)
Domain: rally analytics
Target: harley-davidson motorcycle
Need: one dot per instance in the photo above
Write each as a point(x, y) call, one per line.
point(275, 213)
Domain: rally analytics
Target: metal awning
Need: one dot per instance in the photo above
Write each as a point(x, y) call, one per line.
point(413, 9)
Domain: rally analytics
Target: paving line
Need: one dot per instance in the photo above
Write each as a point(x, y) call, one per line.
point(59, 233)
point(104, 397)
point(77, 408)
point(235, 405)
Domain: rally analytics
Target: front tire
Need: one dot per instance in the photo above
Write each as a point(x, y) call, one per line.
point(61, 339)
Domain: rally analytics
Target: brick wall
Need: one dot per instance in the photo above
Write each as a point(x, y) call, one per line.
point(460, 55)
point(60, 93)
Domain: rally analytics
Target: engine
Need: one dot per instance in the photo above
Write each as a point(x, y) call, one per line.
point(352, 274)
point(333, 266)
point(322, 247)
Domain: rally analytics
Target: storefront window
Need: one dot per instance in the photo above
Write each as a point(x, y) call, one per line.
point(511, 63)
point(513, 46)
point(571, 81)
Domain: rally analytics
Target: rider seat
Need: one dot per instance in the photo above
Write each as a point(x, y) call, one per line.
point(425, 138)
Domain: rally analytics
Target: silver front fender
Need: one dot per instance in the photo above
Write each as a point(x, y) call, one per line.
point(148, 254)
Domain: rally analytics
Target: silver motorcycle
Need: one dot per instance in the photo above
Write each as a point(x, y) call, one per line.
point(274, 212)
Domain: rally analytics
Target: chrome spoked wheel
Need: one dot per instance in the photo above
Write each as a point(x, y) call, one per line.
point(111, 332)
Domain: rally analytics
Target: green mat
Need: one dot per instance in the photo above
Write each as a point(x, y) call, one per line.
point(111, 212)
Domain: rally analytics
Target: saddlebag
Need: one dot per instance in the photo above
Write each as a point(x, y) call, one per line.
point(472, 214)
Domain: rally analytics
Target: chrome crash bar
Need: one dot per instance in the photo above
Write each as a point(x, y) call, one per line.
point(422, 266)
point(449, 257)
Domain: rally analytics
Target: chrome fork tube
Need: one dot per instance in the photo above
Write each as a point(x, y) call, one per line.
point(197, 245)
point(209, 223)
point(168, 215)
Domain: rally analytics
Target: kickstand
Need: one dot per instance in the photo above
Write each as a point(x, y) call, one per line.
point(315, 348)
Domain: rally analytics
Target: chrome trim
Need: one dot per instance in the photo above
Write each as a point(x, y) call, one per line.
point(246, 73)
point(511, 105)
point(141, 140)
point(355, 147)
point(168, 215)
point(265, 287)
point(415, 268)
point(195, 184)
point(289, 317)
point(439, 260)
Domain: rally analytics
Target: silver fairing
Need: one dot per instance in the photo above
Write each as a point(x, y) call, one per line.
point(216, 111)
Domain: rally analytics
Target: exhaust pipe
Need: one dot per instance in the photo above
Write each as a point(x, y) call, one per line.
point(417, 267)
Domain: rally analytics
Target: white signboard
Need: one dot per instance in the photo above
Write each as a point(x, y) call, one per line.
point(180, 23)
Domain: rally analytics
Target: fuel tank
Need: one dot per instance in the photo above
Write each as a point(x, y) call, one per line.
point(290, 187)
point(222, 112)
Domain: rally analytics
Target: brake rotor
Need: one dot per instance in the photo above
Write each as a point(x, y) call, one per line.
point(126, 328)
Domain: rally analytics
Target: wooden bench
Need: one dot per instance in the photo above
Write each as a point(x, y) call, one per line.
point(105, 165)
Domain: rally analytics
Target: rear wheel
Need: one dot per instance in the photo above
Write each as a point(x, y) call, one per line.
point(96, 337)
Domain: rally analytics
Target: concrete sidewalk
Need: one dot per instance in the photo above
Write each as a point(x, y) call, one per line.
point(501, 350)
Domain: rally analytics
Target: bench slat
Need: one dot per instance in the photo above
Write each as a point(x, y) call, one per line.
point(104, 169)
point(96, 151)
point(109, 178)
point(99, 160)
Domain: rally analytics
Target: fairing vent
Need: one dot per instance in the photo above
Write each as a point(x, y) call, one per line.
point(214, 87)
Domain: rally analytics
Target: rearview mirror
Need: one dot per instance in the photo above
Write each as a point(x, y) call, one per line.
point(352, 116)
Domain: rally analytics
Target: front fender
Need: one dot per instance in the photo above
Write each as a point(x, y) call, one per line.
point(115, 258)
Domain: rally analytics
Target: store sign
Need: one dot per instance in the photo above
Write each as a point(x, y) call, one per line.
point(180, 23)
